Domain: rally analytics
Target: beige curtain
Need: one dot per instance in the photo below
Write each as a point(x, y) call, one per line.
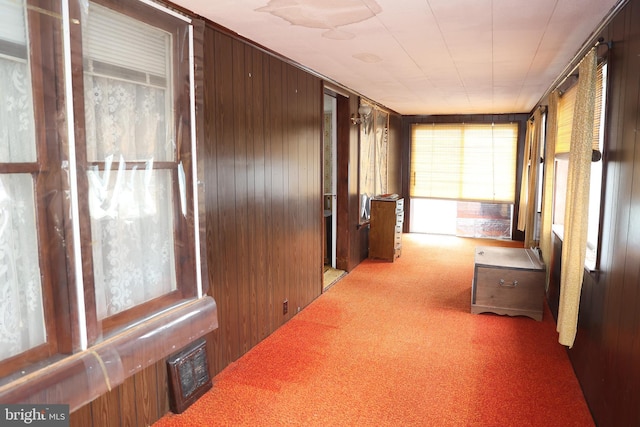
point(577, 207)
point(524, 183)
point(546, 222)
point(529, 185)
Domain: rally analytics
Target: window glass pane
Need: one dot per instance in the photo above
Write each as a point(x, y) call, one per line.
point(128, 91)
point(17, 131)
point(464, 219)
point(21, 312)
point(132, 231)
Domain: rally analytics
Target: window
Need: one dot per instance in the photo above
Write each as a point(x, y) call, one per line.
point(563, 142)
point(28, 245)
point(471, 162)
point(463, 179)
point(134, 164)
point(96, 218)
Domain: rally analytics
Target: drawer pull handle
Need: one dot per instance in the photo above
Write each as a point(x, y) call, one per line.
point(508, 285)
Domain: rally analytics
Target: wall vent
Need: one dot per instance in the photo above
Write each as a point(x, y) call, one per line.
point(189, 376)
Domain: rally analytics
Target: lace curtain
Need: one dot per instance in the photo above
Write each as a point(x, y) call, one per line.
point(131, 208)
point(21, 312)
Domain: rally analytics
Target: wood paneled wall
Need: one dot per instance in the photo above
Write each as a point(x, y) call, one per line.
point(140, 401)
point(606, 353)
point(264, 209)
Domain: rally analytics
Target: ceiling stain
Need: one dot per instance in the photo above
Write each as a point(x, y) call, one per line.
point(323, 14)
point(338, 35)
point(370, 58)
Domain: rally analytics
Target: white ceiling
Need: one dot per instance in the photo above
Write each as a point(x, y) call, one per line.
point(422, 56)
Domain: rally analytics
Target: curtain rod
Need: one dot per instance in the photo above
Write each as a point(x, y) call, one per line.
point(582, 52)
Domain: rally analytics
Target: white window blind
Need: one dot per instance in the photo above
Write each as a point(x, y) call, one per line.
point(12, 22)
point(126, 44)
point(473, 162)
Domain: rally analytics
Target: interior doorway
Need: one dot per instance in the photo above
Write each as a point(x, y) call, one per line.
point(330, 190)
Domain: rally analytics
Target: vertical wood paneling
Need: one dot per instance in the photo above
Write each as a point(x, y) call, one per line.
point(81, 417)
point(290, 189)
point(344, 227)
point(162, 386)
point(314, 107)
point(269, 165)
point(213, 244)
point(240, 210)
point(606, 354)
point(128, 403)
point(277, 186)
point(146, 395)
point(106, 411)
point(630, 323)
point(254, 195)
point(227, 260)
point(263, 140)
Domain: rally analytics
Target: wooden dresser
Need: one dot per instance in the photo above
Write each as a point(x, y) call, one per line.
point(385, 235)
point(508, 281)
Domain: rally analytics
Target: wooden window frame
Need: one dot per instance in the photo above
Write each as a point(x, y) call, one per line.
point(51, 207)
point(184, 230)
point(54, 214)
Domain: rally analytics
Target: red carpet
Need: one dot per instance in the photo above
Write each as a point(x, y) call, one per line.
point(395, 344)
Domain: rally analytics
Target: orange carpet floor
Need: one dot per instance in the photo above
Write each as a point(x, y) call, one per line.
point(394, 344)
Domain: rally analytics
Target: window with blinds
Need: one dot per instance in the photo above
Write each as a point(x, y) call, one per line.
point(470, 162)
point(566, 108)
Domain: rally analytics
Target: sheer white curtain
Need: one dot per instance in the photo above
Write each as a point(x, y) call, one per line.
point(21, 311)
point(128, 119)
